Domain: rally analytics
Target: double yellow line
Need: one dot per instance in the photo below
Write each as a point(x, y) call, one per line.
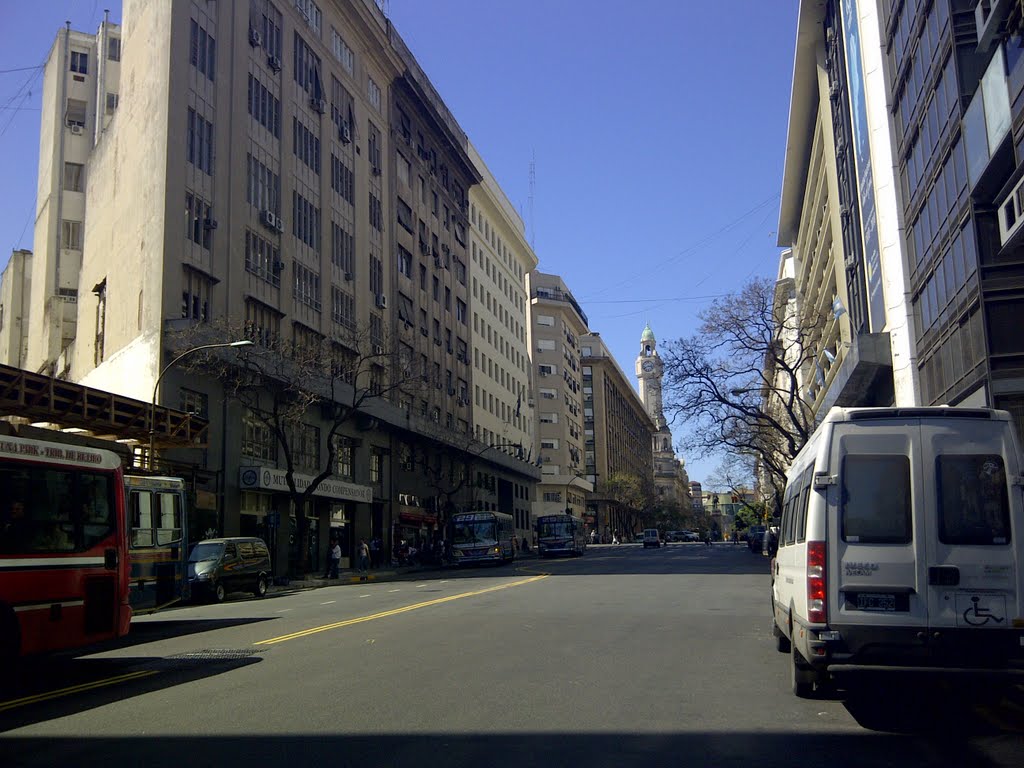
point(46, 696)
point(395, 611)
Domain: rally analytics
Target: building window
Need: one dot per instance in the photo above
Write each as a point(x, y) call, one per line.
point(262, 323)
point(71, 235)
point(80, 62)
point(198, 221)
point(74, 117)
point(405, 262)
point(270, 23)
point(343, 457)
point(343, 308)
point(343, 246)
point(264, 108)
point(373, 146)
point(306, 145)
point(376, 213)
point(113, 49)
point(195, 403)
point(305, 221)
point(307, 286)
point(74, 174)
point(343, 181)
point(376, 468)
point(404, 169)
point(342, 52)
point(262, 258)
point(199, 142)
point(373, 93)
point(310, 11)
point(307, 69)
point(111, 103)
point(460, 311)
point(101, 320)
point(202, 50)
point(263, 190)
point(257, 440)
point(195, 296)
point(376, 275)
point(404, 213)
point(305, 445)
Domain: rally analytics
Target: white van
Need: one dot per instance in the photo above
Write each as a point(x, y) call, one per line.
point(902, 545)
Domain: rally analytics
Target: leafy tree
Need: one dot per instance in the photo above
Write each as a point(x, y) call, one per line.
point(739, 380)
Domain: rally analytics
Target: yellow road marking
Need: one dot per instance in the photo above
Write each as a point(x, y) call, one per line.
point(395, 611)
point(46, 696)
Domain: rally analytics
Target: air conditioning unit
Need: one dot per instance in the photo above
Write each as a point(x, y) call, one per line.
point(423, 331)
point(344, 133)
point(318, 105)
point(378, 349)
point(376, 170)
point(1011, 213)
point(451, 392)
point(76, 129)
point(210, 224)
point(437, 342)
point(255, 38)
point(268, 219)
point(437, 262)
point(274, 63)
point(348, 277)
point(382, 301)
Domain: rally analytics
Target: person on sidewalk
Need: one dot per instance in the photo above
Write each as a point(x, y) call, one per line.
point(333, 560)
point(364, 560)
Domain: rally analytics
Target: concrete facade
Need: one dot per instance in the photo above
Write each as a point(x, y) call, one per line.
point(270, 159)
point(557, 322)
point(15, 288)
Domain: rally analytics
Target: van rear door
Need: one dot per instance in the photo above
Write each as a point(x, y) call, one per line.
point(972, 575)
point(875, 579)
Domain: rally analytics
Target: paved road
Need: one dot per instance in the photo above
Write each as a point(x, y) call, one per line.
point(625, 657)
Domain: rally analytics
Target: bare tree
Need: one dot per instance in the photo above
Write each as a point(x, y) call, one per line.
point(284, 383)
point(636, 497)
point(738, 381)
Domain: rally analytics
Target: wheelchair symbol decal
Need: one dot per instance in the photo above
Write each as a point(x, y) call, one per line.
point(978, 615)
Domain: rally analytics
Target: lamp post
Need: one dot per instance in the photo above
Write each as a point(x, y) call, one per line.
point(156, 385)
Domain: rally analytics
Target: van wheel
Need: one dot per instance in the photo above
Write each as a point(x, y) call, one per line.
point(261, 586)
point(802, 676)
point(219, 592)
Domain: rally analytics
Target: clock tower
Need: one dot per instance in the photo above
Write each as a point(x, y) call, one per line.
point(649, 370)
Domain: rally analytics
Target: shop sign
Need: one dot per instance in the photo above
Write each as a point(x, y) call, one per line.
point(271, 479)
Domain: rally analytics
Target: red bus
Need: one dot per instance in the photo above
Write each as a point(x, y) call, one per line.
point(64, 562)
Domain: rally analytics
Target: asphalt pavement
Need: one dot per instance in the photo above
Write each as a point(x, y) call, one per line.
point(623, 657)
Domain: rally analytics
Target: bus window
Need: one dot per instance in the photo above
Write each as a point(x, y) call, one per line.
point(141, 511)
point(169, 530)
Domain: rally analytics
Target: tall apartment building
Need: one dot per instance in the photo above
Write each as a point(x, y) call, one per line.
point(838, 215)
point(284, 172)
point(80, 98)
point(955, 79)
point(556, 324)
point(619, 433)
point(500, 257)
point(15, 289)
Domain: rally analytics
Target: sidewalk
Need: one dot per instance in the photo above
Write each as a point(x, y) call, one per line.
point(383, 574)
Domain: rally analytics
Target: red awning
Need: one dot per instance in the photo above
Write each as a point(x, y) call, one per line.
point(417, 517)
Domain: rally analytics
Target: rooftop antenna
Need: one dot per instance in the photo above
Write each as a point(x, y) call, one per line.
point(533, 184)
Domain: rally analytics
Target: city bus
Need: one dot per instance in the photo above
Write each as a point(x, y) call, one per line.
point(64, 560)
point(560, 534)
point(157, 541)
point(482, 537)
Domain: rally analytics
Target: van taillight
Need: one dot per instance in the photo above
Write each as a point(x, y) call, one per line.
point(816, 604)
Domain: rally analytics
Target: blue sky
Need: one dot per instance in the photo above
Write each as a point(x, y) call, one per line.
point(658, 129)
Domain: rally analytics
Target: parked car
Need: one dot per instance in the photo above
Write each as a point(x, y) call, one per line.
point(651, 538)
point(755, 538)
point(219, 566)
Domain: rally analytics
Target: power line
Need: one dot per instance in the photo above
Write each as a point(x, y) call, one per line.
point(19, 69)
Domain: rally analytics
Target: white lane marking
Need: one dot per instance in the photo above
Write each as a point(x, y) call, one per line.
point(283, 610)
point(394, 590)
point(329, 602)
point(443, 581)
point(420, 585)
point(364, 595)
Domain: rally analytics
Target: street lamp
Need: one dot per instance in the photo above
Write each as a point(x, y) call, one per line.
point(156, 385)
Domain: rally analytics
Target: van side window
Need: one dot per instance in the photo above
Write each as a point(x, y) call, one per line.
point(875, 504)
point(245, 549)
point(973, 502)
point(787, 519)
point(229, 551)
point(805, 496)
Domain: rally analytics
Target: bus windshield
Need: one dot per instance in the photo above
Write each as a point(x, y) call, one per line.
point(46, 509)
point(555, 527)
point(473, 532)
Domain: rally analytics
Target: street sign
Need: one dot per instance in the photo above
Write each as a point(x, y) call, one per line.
point(274, 519)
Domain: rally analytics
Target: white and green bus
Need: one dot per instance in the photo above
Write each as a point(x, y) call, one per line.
point(482, 537)
point(560, 535)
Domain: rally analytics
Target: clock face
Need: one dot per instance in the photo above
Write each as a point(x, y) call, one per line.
point(647, 365)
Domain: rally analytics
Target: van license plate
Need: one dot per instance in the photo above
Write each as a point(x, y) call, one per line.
point(876, 602)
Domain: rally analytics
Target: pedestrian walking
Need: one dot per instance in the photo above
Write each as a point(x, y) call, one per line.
point(333, 560)
point(364, 560)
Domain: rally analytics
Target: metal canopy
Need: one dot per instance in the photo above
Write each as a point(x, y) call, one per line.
point(41, 398)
